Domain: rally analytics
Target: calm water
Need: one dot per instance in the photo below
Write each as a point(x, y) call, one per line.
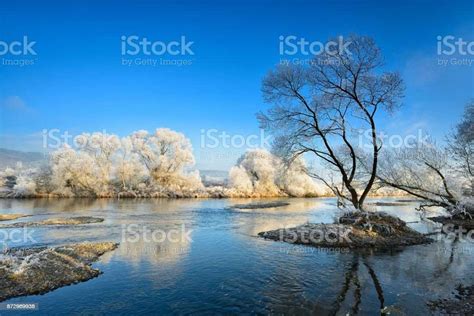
point(226, 269)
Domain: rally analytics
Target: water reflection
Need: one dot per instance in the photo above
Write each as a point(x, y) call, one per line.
point(225, 268)
point(300, 211)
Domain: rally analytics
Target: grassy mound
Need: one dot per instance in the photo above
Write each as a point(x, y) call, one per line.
point(31, 271)
point(78, 220)
point(353, 230)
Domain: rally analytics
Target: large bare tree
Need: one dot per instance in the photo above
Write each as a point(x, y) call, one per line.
point(319, 108)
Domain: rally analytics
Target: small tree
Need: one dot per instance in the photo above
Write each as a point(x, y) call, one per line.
point(440, 177)
point(316, 108)
point(461, 148)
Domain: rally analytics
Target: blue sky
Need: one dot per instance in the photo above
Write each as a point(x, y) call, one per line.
point(78, 83)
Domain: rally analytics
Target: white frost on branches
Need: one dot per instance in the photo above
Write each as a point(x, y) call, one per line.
point(141, 164)
point(258, 173)
point(144, 164)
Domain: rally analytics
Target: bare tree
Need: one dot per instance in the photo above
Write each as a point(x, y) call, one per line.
point(461, 147)
point(317, 108)
point(440, 177)
point(421, 171)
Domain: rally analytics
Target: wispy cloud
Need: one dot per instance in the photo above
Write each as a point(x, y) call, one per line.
point(15, 103)
point(422, 69)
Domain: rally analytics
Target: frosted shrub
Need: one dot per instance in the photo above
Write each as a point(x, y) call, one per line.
point(258, 173)
point(24, 187)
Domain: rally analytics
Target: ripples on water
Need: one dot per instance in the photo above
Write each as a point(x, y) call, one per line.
point(227, 269)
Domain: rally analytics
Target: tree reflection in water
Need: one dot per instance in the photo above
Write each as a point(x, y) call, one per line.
point(352, 278)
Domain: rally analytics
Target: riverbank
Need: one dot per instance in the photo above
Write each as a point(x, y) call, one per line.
point(28, 271)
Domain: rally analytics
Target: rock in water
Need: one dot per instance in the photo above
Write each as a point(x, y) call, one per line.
point(260, 205)
point(78, 220)
point(354, 230)
point(29, 271)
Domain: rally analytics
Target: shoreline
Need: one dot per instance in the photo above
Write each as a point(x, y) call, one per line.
point(177, 197)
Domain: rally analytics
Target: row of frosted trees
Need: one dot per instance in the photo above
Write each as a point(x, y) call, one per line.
point(155, 164)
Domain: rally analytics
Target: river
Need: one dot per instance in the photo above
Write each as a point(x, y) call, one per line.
point(215, 263)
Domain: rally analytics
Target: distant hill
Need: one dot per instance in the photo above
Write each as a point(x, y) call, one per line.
point(9, 158)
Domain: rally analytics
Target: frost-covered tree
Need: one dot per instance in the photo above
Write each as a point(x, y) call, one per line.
point(256, 173)
point(129, 170)
point(168, 156)
point(18, 181)
point(141, 164)
point(260, 173)
point(315, 109)
point(102, 148)
point(76, 173)
point(438, 176)
point(294, 179)
point(422, 171)
point(461, 148)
